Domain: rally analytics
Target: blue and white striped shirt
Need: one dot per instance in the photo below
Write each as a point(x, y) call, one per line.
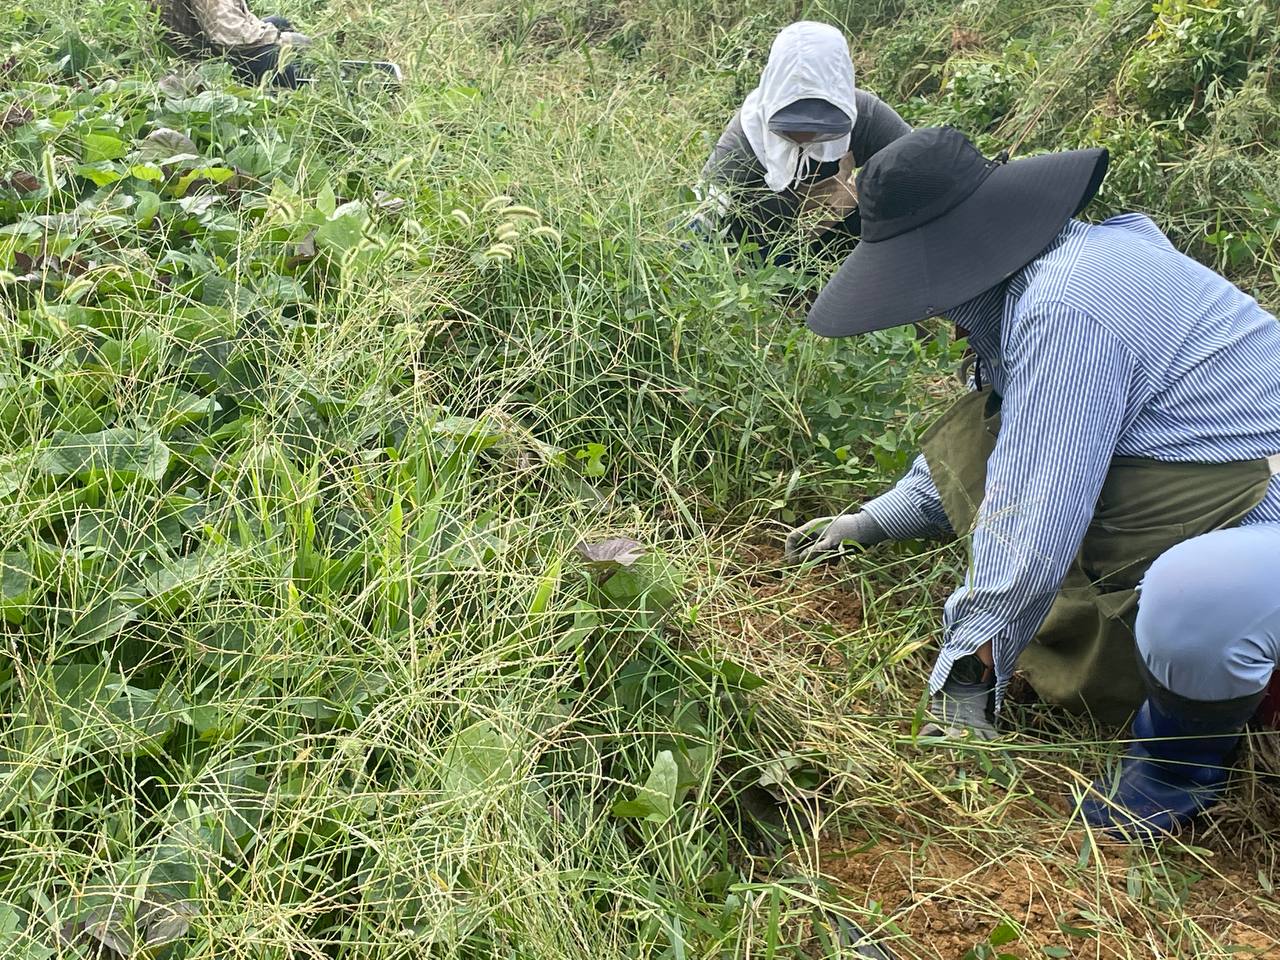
point(1110, 343)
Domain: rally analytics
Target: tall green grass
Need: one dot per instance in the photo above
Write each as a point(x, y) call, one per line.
point(302, 659)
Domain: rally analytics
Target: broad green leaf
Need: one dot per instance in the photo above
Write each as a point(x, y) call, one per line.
point(586, 619)
point(412, 890)
point(175, 584)
point(120, 453)
point(199, 205)
point(17, 585)
point(15, 471)
point(164, 920)
point(143, 720)
point(77, 684)
point(213, 721)
point(103, 146)
point(593, 454)
point(171, 407)
point(199, 323)
point(261, 159)
point(134, 355)
point(148, 207)
point(326, 202)
point(656, 800)
point(653, 583)
point(467, 432)
point(147, 172)
point(732, 674)
point(93, 703)
point(478, 759)
point(313, 708)
point(344, 230)
point(102, 173)
point(131, 524)
point(16, 943)
point(275, 289)
point(212, 174)
point(1005, 933)
point(209, 104)
point(229, 648)
point(102, 621)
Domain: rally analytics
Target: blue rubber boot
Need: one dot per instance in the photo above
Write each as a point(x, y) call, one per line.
point(1175, 769)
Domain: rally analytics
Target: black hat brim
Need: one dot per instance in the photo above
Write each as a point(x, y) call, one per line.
point(996, 231)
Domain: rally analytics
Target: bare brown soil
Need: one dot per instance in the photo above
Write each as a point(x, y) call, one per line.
point(947, 901)
point(1065, 895)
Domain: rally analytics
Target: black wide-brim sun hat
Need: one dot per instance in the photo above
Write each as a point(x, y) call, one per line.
point(941, 224)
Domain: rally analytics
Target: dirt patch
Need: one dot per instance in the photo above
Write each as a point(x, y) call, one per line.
point(1059, 901)
point(774, 617)
point(963, 38)
point(813, 615)
point(944, 883)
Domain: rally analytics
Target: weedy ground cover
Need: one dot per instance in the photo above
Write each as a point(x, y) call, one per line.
point(388, 500)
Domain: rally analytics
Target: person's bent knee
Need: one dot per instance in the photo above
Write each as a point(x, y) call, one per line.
point(1170, 597)
point(1198, 610)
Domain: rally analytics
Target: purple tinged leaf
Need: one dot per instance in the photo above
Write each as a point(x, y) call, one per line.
point(166, 922)
point(620, 551)
point(14, 116)
point(388, 203)
point(177, 86)
point(24, 182)
point(303, 251)
point(164, 145)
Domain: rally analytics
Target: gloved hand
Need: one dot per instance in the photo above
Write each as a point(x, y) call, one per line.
point(965, 706)
point(810, 540)
point(295, 39)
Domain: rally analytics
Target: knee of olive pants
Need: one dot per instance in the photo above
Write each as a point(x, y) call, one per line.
point(1208, 624)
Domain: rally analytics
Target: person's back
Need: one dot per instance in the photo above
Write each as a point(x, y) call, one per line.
point(787, 157)
point(1189, 330)
point(228, 28)
point(179, 19)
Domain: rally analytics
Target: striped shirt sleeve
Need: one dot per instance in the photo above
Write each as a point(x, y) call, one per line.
point(1067, 388)
point(230, 23)
point(912, 509)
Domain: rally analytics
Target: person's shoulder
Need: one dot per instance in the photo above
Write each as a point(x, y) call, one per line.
point(876, 126)
point(732, 159)
point(1086, 277)
point(874, 107)
point(864, 98)
point(1133, 225)
point(734, 137)
point(1054, 283)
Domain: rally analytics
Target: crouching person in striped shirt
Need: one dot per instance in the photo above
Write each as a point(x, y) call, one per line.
point(227, 28)
point(1115, 472)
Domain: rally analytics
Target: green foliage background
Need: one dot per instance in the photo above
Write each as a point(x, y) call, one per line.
point(308, 401)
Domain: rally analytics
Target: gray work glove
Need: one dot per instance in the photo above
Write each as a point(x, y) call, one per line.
point(293, 39)
point(827, 535)
point(965, 706)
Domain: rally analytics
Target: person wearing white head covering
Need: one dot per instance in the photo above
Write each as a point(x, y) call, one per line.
point(787, 158)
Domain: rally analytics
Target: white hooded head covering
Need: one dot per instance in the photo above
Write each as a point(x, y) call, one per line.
point(808, 61)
